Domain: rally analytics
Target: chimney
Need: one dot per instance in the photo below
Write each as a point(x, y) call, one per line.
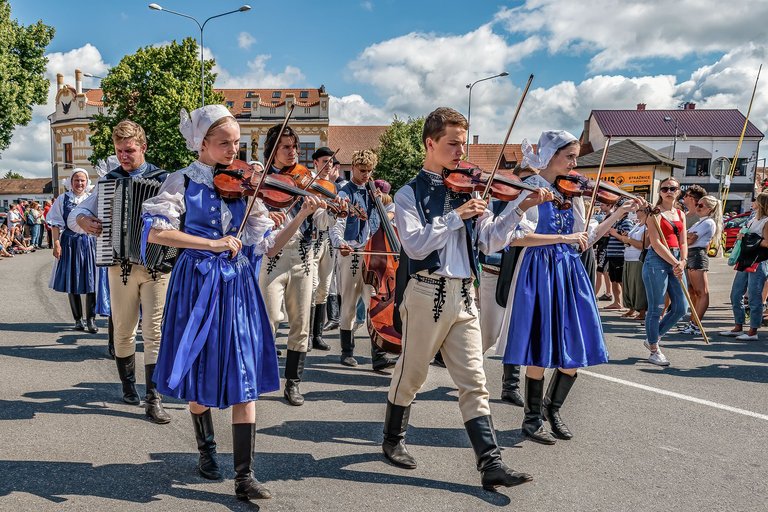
point(585, 133)
point(59, 81)
point(475, 139)
point(689, 105)
point(641, 106)
point(78, 81)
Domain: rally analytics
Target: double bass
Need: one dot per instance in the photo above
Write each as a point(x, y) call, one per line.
point(380, 260)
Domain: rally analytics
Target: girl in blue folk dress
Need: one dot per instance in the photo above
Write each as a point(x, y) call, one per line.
point(552, 319)
point(217, 347)
point(75, 270)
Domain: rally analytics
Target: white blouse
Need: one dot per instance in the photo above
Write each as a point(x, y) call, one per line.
point(55, 217)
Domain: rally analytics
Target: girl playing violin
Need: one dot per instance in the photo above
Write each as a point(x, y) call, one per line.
point(218, 349)
point(551, 315)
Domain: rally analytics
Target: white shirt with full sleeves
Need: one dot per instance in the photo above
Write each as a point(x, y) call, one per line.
point(55, 216)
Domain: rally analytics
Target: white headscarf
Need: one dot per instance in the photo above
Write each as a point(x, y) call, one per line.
point(549, 142)
point(67, 182)
point(194, 127)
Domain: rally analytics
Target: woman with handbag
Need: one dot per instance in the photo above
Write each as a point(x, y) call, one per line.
point(663, 266)
point(700, 236)
point(751, 279)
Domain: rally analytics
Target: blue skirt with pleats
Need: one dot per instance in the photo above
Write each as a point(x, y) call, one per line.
point(76, 269)
point(103, 307)
point(217, 345)
point(555, 322)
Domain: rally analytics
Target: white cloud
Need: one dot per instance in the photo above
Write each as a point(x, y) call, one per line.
point(354, 110)
point(367, 5)
point(245, 40)
point(621, 33)
point(258, 76)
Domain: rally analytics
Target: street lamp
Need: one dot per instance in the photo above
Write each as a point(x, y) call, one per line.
point(469, 106)
point(91, 75)
point(243, 8)
point(668, 119)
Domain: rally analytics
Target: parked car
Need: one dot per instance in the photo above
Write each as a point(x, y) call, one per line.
point(731, 228)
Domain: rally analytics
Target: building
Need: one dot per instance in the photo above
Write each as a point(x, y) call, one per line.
point(31, 189)
point(349, 139)
point(702, 141)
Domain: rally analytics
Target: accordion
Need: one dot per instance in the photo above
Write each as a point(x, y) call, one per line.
point(119, 209)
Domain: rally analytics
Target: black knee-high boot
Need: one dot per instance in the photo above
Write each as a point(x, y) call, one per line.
point(317, 329)
point(559, 387)
point(76, 305)
point(207, 465)
point(334, 310)
point(153, 403)
point(510, 385)
point(533, 422)
point(347, 347)
point(111, 336)
point(294, 368)
point(379, 358)
point(126, 369)
point(243, 443)
point(395, 425)
point(90, 313)
point(493, 471)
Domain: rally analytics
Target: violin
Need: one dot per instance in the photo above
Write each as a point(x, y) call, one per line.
point(324, 189)
point(577, 185)
point(505, 185)
point(237, 181)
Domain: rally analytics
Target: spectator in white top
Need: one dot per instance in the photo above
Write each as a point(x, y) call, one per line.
point(633, 290)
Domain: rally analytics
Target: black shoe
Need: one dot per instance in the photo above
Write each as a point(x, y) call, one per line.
point(207, 465)
point(90, 326)
point(153, 404)
point(243, 443)
point(294, 368)
point(510, 385)
point(438, 360)
point(126, 369)
point(380, 360)
point(347, 347)
point(317, 329)
point(558, 390)
point(533, 423)
point(395, 425)
point(334, 307)
point(79, 325)
point(493, 472)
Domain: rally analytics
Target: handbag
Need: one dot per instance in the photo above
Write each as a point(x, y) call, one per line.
point(644, 251)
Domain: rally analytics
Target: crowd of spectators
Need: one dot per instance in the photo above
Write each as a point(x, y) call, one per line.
point(24, 228)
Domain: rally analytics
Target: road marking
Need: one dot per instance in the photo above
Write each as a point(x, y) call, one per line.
point(693, 399)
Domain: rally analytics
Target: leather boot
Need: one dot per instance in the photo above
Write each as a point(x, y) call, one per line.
point(153, 404)
point(347, 347)
point(533, 423)
point(510, 385)
point(558, 389)
point(334, 310)
point(317, 329)
point(395, 425)
point(379, 358)
point(243, 443)
point(207, 465)
point(493, 471)
point(126, 369)
point(438, 360)
point(76, 305)
point(111, 336)
point(294, 368)
point(90, 313)
point(311, 322)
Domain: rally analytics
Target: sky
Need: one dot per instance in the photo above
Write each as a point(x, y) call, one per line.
point(381, 58)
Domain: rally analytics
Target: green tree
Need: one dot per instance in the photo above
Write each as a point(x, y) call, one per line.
point(22, 71)
point(12, 175)
point(150, 87)
point(401, 152)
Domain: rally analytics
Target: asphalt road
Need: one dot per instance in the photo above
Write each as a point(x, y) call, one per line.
point(691, 437)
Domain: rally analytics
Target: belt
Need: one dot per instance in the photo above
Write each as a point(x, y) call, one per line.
point(438, 281)
point(492, 269)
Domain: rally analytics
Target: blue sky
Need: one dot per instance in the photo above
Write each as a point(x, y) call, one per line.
point(379, 58)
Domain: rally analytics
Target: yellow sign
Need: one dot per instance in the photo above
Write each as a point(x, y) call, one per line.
point(627, 180)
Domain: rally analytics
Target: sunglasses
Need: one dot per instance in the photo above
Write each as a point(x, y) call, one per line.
point(701, 205)
point(668, 189)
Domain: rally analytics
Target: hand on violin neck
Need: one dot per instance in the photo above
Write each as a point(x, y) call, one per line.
point(472, 208)
point(542, 195)
point(278, 218)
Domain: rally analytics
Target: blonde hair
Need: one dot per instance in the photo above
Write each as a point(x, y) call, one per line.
point(128, 130)
point(762, 204)
point(365, 157)
point(385, 199)
point(716, 214)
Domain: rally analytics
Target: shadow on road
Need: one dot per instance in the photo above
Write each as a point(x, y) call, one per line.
point(65, 351)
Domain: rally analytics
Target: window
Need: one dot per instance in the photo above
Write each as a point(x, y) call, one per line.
point(304, 95)
point(246, 104)
point(697, 167)
point(741, 167)
point(305, 154)
point(230, 104)
point(307, 110)
point(249, 94)
point(243, 153)
point(272, 110)
point(275, 94)
point(68, 153)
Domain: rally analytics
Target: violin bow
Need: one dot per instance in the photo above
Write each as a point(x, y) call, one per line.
point(267, 167)
point(330, 159)
point(506, 140)
point(591, 209)
point(694, 314)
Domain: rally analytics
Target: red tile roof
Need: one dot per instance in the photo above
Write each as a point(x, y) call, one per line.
point(25, 187)
point(485, 155)
point(353, 138)
point(94, 97)
point(239, 96)
point(692, 122)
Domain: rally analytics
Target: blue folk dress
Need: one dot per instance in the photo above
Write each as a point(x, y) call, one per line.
point(75, 271)
point(217, 345)
point(551, 318)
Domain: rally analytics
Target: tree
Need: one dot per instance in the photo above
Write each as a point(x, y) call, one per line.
point(150, 87)
point(401, 153)
point(22, 68)
point(12, 175)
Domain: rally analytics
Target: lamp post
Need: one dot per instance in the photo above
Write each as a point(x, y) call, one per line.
point(668, 119)
point(469, 106)
point(243, 8)
point(91, 75)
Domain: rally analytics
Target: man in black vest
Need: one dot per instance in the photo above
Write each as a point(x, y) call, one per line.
point(440, 233)
point(140, 287)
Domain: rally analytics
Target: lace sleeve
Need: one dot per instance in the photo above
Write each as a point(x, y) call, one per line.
point(166, 208)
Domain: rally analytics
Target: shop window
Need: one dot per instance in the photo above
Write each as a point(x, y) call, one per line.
point(697, 167)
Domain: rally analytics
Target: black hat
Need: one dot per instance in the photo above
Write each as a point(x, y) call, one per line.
point(321, 152)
